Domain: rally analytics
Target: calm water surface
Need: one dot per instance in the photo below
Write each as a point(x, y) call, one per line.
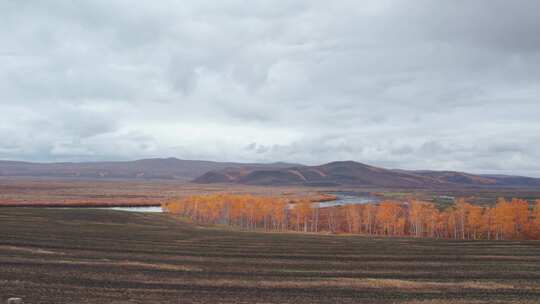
point(348, 199)
point(137, 209)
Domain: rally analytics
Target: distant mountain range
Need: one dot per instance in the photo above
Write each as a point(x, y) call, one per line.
point(352, 173)
point(154, 168)
point(341, 173)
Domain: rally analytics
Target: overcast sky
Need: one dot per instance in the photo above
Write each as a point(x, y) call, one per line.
point(401, 84)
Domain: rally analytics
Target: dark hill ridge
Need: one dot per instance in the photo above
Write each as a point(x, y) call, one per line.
point(338, 173)
point(335, 173)
point(154, 168)
point(357, 174)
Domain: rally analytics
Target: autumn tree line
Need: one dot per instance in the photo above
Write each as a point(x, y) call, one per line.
point(514, 219)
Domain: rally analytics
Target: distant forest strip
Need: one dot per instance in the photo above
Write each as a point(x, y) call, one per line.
point(513, 219)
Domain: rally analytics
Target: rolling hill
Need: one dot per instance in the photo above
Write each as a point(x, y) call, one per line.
point(155, 168)
point(346, 173)
point(352, 173)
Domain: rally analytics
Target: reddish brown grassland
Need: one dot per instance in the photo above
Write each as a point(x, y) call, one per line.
point(83, 255)
point(106, 256)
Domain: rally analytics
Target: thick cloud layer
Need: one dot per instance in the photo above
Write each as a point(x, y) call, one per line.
point(409, 84)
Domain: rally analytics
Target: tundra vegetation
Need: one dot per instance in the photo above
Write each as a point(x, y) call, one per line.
point(513, 219)
point(78, 255)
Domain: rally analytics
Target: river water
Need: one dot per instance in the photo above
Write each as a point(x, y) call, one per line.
point(152, 209)
point(348, 199)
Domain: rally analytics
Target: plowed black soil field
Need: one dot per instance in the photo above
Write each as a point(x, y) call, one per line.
point(103, 256)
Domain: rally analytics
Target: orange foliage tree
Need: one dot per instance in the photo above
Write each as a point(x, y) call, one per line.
point(506, 220)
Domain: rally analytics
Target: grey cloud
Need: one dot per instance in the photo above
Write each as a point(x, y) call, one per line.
point(251, 146)
point(408, 84)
